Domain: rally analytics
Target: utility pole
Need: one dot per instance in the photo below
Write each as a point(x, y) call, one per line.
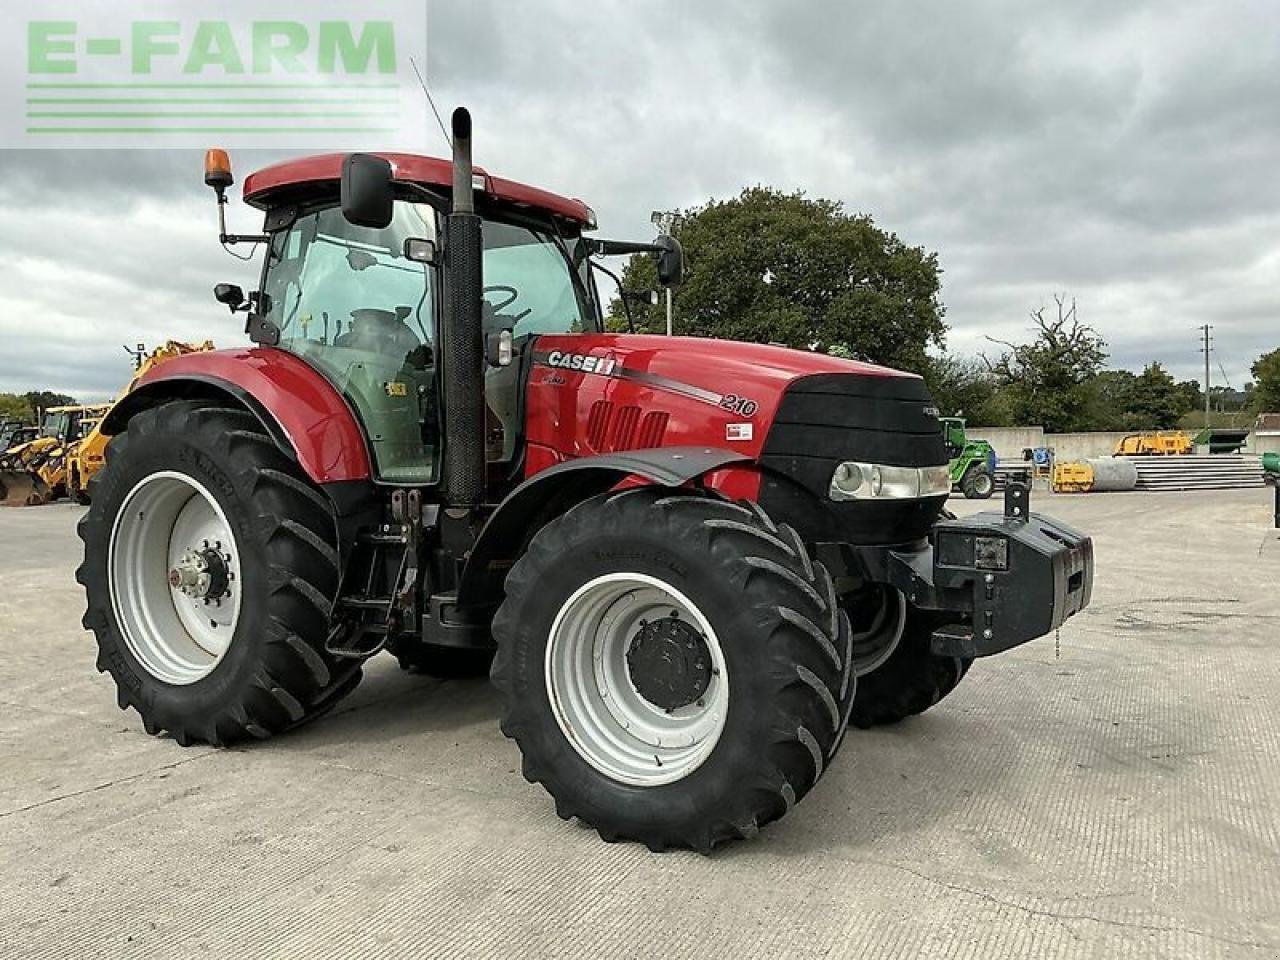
point(666, 221)
point(1206, 330)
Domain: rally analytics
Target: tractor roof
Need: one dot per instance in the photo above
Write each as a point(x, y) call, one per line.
point(261, 188)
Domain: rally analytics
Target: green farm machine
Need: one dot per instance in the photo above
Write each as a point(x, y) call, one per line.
point(973, 462)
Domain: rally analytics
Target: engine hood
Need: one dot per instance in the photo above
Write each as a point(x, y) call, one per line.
point(749, 376)
point(600, 393)
point(707, 363)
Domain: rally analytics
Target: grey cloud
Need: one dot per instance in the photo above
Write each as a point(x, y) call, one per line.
point(1122, 152)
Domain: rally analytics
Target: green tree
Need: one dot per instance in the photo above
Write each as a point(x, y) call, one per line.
point(1107, 397)
point(1156, 401)
point(774, 267)
point(961, 386)
point(1265, 395)
point(14, 407)
point(43, 399)
point(1046, 378)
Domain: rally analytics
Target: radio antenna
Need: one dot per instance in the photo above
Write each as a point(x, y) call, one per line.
point(423, 83)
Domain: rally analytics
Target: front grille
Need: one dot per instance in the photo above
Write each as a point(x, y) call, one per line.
point(829, 418)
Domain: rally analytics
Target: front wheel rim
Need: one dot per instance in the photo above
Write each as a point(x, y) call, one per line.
point(173, 567)
point(593, 694)
point(875, 645)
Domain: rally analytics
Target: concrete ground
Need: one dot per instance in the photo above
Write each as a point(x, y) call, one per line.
point(1117, 796)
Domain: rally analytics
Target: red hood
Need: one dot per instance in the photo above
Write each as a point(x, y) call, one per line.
point(697, 359)
point(598, 393)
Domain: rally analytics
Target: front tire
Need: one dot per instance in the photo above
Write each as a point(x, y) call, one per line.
point(978, 484)
point(220, 638)
point(674, 668)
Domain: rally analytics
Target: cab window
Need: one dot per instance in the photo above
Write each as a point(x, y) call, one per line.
point(345, 299)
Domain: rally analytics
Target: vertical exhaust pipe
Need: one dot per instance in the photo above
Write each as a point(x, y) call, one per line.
point(462, 339)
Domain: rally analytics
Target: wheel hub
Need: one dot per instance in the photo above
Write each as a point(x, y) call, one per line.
point(669, 663)
point(203, 574)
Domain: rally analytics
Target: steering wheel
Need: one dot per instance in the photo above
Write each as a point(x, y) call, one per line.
point(511, 292)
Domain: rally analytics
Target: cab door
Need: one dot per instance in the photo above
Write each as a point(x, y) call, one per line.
point(347, 301)
point(530, 288)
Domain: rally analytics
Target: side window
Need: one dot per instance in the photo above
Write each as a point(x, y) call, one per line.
point(529, 288)
point(345, 299)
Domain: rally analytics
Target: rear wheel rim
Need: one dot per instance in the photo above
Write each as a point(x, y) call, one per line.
point(983, 483)
point(594, 696)
point(174, 573)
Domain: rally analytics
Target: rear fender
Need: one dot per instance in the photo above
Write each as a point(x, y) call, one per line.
point(551, 492)
point(301, 410)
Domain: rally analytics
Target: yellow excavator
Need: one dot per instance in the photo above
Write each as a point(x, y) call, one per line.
point(35, 472)
point(69, 450)
point(87, 456)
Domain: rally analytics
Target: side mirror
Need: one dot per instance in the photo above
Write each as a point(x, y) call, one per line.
point(367, 192)
point(499, 349)
point(419, 250)
point(229, 294)
point(670, 261)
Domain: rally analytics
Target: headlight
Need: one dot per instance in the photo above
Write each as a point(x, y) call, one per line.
point(875, 481)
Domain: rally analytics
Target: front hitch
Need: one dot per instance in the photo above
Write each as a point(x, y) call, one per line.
point(1007, 577)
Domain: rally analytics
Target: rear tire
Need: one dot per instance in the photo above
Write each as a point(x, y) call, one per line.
point(273, 673)
point(911, 680)
point(778, 682)
point(978, 484)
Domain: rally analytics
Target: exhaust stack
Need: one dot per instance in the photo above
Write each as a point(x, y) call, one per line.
point(462, 338)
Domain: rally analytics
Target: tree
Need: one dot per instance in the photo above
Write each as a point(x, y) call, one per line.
point(1106, 400)
point(44, 399)
point(965, 387)
point(1045, 378)
point(774, 267)
point(1265, 395)
point(1156, 400)
point(14, 407)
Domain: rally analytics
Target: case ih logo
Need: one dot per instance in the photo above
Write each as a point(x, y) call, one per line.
point(241, 73)
point(605, 366)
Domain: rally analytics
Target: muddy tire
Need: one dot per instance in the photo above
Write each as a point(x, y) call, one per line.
point(704, 626)
point(911, 680)
point(263, 557)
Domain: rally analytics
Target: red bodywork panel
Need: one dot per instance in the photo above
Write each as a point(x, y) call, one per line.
point(313, 415)
point(650, 391)
point(405, 166)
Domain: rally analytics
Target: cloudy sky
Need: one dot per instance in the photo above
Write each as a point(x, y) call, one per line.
point(1125, 153)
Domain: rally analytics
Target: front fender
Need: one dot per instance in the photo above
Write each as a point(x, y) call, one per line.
point(551, 492)
point(297, 406)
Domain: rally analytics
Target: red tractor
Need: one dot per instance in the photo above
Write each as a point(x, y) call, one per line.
point(691, 564)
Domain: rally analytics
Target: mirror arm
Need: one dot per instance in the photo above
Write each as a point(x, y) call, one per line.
point(228, 239)
point(614, 248)
point(425, 192)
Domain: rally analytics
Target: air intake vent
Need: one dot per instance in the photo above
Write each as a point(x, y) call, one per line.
point(652, 429)
point(598, 424)
point(611, 429)
point(624, 428)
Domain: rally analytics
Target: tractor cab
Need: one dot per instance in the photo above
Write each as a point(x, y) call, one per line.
point(363, 305)
point(953, 434)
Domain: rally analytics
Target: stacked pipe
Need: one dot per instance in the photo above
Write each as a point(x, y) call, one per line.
point(1198, 472)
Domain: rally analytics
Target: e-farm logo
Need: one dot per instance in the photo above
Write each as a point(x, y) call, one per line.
point(246, 73)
